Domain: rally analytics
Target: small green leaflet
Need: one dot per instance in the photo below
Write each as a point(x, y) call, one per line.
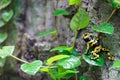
point(6, 51)
point(7, 15)
point(2, 62)
point(56, 58)
point(4, 3)
point(69, 63)
point(3, 37)
point(115, 3)
point(80, 20)
point(116, 64)
point(31, 68)
point(83, 78)
point(60, 12)
point(73, 2)
point(104, 28)
point(47, 33)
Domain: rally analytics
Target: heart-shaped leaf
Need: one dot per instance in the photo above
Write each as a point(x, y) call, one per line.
point(56, 58)
point(104, 28)
point(4, 3)
point(69, 63)
point(1, 23)
point(116, 64)
point(7, 15)
point(47, 33)
point(73, 2)
point(6, 51)
point(80, 20)
point(61, 48)
point(3, 37)
point(31, 68)
point(60, 12)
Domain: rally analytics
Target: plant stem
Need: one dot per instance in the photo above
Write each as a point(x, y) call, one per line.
point(19, 59)
point(75, 38)
point(113, 12)
point(76, 77)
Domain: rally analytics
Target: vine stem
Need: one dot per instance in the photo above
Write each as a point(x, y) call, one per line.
point(113, 12)
point(75, 38)
point(19, 59)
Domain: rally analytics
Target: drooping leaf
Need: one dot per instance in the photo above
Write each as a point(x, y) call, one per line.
point(116, 64)
point(7, 15)
point(4, 3)
point(6, 51)
point(3, 37)
point(31, 68)
point(80, 20)
point(1, 23)
point(104, 28)
point(61, 48)
point(73, 2)
point(69, 63)
point(66, 72)
point(60, 12)
point(47, 33)
point(56, 58)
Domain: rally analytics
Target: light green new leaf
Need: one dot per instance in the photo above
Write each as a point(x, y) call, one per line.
point(104, 28)
point(47, 33)
point(7, 15)
point(4, 3)
point(56, 58)
point(1, 23)
point(80, 20)
point(69, 63)
point(61, 48)
point(60, 12)
point(6, 51)
point(73, 2)
point(31, 68)
point(3, 37)
point(116, 64)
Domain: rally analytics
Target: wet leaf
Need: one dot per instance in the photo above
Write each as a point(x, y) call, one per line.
point(104, 28)
point(80, 20)
point(69, 63)
point(60, 12)
point(31, 68)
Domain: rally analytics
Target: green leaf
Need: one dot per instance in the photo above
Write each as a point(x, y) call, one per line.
point(2, 62)
point(6, 51)
point(31, 68)
point(80, 20)
point(116, 64)
point(66, 72)
point(61, 48)
point(73, 2)
point(4, 3)
point(3, 37)
point(60, 12)
point(104, 28)
point(7, 15)
point(56, 58)
point(83, 78)
point(115, 3)
point(47, 33)
point(1, 23)
point(69, 63)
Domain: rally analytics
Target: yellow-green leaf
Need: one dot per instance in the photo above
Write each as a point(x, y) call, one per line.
point(73, 2)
